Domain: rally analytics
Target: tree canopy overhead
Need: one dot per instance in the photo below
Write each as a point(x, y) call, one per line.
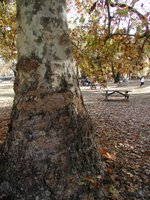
point(7, 29)
point(111, 33)
point(105, 34)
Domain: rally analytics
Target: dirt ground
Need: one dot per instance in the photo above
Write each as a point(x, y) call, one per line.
point(122, 132)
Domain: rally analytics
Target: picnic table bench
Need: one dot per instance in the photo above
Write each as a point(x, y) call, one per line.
point(124, 93)
point(6, 78)
point(94, 85)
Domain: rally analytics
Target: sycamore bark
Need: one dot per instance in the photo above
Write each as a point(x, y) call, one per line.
point(51, 154)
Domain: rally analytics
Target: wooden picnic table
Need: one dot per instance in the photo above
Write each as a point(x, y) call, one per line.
point(111, 91)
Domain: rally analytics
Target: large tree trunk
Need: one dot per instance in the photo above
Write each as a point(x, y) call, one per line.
point(51, 154)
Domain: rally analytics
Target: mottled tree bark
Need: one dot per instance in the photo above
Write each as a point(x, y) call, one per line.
point(51, 154)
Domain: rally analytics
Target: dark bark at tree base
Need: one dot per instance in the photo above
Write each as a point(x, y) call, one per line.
point(53, 155)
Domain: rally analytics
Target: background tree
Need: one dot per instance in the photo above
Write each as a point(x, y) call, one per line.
point(50, 151)
point(8, 30)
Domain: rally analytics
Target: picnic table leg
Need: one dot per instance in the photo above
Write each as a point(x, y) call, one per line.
point(127, 95)
point(106, 95)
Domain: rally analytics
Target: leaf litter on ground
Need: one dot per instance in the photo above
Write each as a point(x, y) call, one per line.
point(122, 133)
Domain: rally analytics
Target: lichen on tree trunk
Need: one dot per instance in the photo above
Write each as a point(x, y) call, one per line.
point(51, 153)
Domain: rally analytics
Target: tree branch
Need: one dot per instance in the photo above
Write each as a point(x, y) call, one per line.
point(130, 8)
point(109, 17)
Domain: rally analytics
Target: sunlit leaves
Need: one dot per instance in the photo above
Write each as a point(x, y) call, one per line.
point(114, 34)
point(123, 12)
point(82, 19)
point(8, 30)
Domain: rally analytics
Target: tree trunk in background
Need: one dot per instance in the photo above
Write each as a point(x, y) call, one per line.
point(116, 76)
point(51, 154)
point(113, 72)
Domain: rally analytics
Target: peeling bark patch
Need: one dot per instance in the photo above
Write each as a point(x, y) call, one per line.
point(45, 21)
point(68, 51)
point(45, 143)
point(64, 39)
point(37, 6)
point(27, 65)
point(59, 9)
point(47, 103)
point(39, 40)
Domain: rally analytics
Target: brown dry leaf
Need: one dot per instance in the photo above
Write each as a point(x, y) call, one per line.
point(114, 193)
point(105, 154)
point(92, 181)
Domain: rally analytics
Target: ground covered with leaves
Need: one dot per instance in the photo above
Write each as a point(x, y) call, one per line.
point(122, 132)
